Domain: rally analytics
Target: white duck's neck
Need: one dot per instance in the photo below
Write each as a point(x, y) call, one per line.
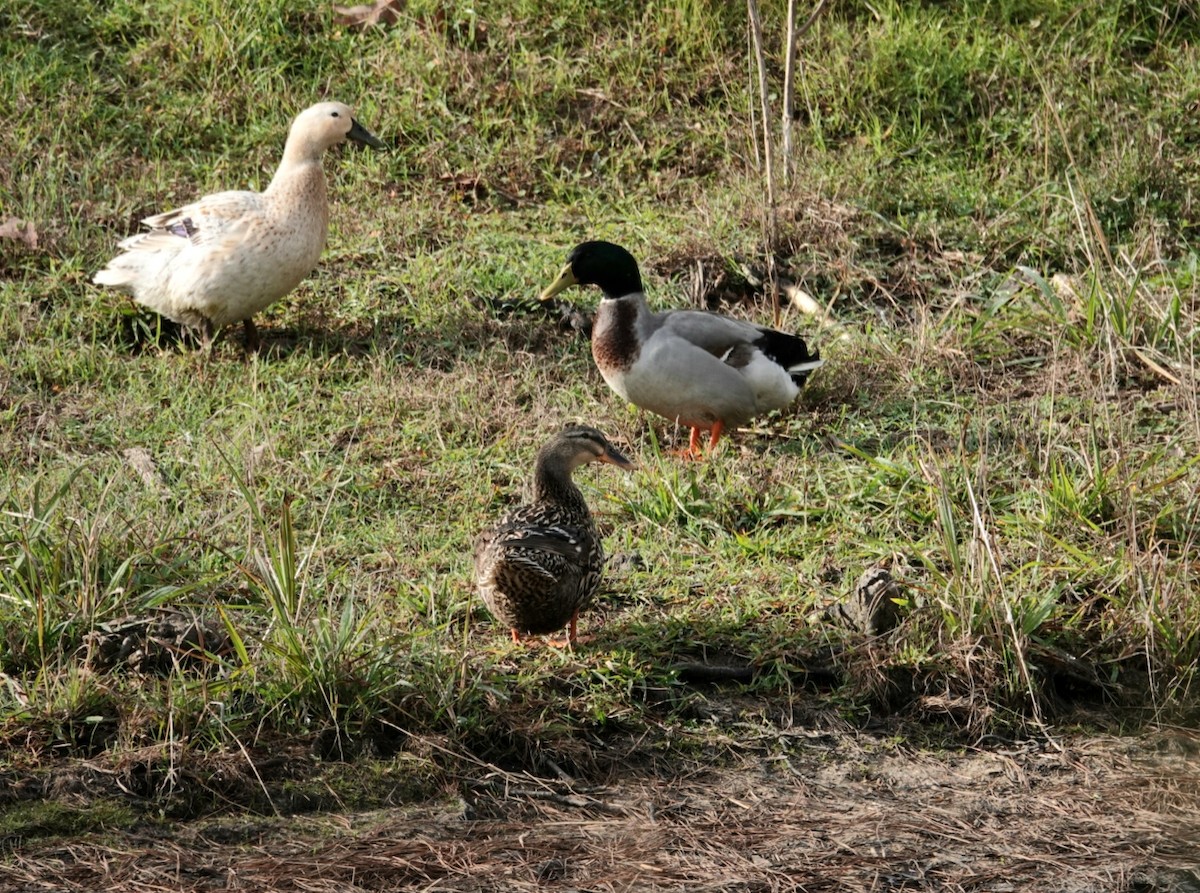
point(300, 164)
point(299, 178)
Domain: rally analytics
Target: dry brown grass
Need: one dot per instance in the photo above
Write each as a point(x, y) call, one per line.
point(821, 813)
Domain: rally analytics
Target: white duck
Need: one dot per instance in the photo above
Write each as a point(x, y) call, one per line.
point(703, 370)
point(229, 255)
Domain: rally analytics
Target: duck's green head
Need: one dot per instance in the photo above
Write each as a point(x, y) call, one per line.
point(609, 267)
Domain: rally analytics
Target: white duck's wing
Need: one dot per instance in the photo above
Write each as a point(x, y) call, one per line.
point(214, 222)
point(192, 241)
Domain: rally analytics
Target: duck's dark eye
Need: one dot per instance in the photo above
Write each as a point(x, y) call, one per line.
point(335, 114)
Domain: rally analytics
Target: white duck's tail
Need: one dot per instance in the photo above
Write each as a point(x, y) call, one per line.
point(114, 276)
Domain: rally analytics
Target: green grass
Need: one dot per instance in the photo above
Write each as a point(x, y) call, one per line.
point(997, 205)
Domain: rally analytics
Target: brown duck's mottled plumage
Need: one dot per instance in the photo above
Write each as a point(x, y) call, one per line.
point(541, 564)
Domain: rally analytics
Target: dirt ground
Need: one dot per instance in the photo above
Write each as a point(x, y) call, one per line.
point(816, 812)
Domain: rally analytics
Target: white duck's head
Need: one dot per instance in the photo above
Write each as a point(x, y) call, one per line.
point(323, 125)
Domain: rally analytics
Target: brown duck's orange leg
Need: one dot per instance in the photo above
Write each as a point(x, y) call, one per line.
point(572, 634)
point(516, 636)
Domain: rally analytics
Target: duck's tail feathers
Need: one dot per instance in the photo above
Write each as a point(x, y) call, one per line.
point(800, 371)
point(804, 368)
point(114, 276)
point(790, 352)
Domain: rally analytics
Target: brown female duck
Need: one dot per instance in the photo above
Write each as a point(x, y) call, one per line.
point(540, 565)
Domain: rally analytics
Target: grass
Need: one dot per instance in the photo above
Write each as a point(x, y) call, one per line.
point(996, 204)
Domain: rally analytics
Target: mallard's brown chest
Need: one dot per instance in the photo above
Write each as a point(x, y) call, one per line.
point(615, 344)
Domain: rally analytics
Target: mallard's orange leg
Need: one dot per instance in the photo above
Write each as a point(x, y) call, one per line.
point(693, 450)
point(717, 428)
point(516, 636)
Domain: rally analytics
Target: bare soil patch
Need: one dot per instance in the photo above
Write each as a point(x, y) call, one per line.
point(811, 811)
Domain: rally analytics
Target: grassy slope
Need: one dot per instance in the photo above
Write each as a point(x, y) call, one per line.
point(997, 205)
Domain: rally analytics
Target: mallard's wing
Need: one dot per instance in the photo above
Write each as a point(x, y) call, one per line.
point(736, 341)
point(711, 332)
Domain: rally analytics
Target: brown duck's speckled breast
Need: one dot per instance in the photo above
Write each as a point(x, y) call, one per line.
point(538, 567)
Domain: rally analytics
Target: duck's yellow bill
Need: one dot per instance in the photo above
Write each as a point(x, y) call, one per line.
point(565, 280)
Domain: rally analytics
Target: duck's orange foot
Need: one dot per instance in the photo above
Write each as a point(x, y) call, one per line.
point(572, 634)
point(695, 449)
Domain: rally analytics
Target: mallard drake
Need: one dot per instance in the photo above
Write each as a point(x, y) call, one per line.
point(540, 566)
point(229, 255)
point(704, 370)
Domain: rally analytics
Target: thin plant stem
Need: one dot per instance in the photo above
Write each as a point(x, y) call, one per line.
point(769, 221)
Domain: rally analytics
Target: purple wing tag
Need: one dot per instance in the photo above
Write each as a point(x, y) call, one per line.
point(184, 228)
